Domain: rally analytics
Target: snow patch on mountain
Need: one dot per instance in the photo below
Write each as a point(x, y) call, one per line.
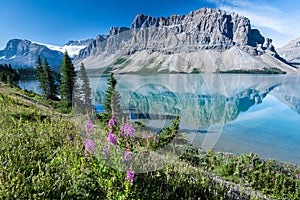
point(73, 50)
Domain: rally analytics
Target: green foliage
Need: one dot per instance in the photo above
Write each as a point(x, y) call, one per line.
point(112, 101)
point(276, 179)
point(27, 74)
point(9, 75)
point(47, 79)
point(168, 133)
point(68, 79)
point(119, 61)
point(43, 157)
point(271, 70)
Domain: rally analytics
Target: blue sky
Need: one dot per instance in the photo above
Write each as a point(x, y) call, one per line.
point(57, 21)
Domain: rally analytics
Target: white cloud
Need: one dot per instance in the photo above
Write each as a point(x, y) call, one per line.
point(280, 24)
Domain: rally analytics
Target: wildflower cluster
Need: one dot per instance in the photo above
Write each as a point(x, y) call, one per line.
point(90, 147)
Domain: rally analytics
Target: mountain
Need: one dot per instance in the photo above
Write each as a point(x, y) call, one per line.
point(73, 47)
point(205, 40)
point(291, 51)
point(23, 53)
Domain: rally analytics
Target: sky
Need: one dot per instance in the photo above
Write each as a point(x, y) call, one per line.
point(58, 21)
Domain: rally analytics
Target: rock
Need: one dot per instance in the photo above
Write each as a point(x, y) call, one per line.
point(24, 53)
point(185, 36)
point(291, 51)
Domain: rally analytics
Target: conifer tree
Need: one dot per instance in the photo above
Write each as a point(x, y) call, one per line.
point(68, 79)
point(85, 86)
point(82, 101)
point(112, 100)
point(46, 79)
point(40, 73)
point(51, 87)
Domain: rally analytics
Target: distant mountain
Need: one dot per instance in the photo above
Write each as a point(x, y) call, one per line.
point(291, 51)
point(23, 53)
point(205, 40)
point(73, 47)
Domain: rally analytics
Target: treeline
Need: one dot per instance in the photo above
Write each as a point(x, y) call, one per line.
point(53, 83)
point(9, 75)
point(271, 70)
point(27, 74)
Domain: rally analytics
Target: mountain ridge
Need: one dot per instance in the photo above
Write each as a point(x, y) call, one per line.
point(182, 43)
point(23, 53)
point(291, 51)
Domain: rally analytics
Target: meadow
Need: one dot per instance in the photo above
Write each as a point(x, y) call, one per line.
point(44, 156)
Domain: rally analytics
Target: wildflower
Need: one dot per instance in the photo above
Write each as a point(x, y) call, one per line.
point(112, 138)
point(89, 147)
point(130, 176)
point(89, 127)
point(105, 151)
point(69, 138)
point(298, 176)
point(127, 155)
point(127, 130)
point(111, 122)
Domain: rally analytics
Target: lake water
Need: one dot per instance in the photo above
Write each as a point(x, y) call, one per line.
point(232, 113)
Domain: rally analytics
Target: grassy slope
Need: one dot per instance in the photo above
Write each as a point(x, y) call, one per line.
point(37, 161)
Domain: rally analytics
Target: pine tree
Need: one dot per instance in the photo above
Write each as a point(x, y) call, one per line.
point(46, 79)
point(112, 101)
point(82, 101)
point(51, 87)
point(85, 86)
point(41, 76)
point(68, 79)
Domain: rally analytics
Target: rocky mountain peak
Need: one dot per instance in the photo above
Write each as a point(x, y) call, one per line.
point(23, 53)
point(173, 38)
point(117, 30)
point(79, 42)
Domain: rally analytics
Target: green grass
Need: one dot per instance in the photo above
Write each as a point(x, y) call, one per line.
point(38, 161)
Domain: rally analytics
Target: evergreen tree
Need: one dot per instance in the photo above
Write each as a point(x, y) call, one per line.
point(112, 101)
point(9, 75)
point(51, 86)
point(46, 79)
point(85, 87)
point(68, 79)
point(40, 74)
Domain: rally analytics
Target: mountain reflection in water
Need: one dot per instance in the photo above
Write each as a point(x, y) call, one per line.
point(210, 107)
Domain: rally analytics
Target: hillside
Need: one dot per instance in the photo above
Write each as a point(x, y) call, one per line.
point(43, 156)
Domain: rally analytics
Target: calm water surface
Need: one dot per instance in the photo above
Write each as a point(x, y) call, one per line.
point(232, 113)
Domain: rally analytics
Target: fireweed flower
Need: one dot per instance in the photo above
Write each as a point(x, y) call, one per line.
point(111, 122)
point(127, 130)
point(127, 155)
point(105, 151)
point(298, 176)
point(130, 176)
point(89, 126)
point(111, 138)
point(89, 147)
point(69, 138)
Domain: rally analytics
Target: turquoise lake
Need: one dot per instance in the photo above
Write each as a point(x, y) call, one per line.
point(226, 112)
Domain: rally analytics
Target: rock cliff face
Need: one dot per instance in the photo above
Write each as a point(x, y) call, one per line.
point(23, 53)
point(291, 51)
point(204, 40)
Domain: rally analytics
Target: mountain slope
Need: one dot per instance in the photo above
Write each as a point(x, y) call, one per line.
point(23, 53)
point(291, 51)
point(73, 47)
point(205, 40)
